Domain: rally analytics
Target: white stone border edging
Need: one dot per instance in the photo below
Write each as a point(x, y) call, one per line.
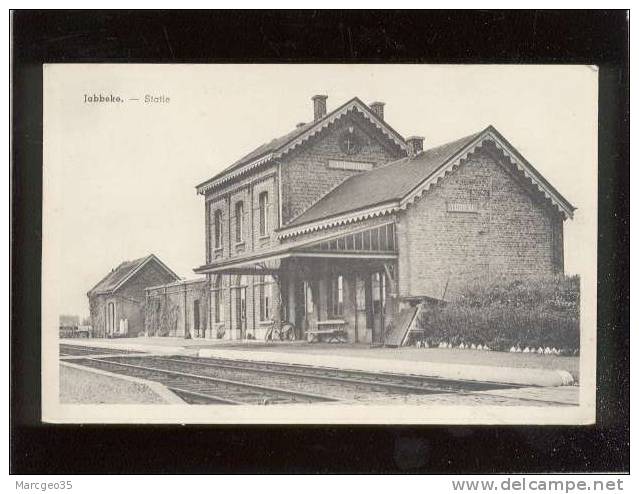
point(483, 373)
point(159, 389)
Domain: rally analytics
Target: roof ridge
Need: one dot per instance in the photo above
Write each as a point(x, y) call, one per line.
point(301, 130)
point(390, 163)
point(287, 139)
point(412, 168)
point(424, 151)
point(132, 263)
point(127, 268)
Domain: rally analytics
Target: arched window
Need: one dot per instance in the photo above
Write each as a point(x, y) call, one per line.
point(217, 229)
point(263, 207)
point(239, 222)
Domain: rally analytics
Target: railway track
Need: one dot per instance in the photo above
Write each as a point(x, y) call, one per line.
point(67, 350)
point(348, 390)
point(400, 382)
point(386, 382)
point(200, 389)
point(226, 381)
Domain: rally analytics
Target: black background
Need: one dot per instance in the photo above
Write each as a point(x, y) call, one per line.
point(578, 37)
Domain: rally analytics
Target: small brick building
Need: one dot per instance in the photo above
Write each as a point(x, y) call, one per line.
point(117, 302)
point(344, 222)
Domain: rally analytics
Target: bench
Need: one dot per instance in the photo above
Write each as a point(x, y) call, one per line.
point(333, 331)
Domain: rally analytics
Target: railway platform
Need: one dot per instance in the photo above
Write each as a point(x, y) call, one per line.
point(93, 374)
point(519, 369)
point(521, 376)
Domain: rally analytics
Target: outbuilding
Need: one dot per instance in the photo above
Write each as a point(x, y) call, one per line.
point(117, 301)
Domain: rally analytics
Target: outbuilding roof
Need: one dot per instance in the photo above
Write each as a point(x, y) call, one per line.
point(123, 272)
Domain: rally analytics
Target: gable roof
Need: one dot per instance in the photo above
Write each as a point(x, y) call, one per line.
point(125, 271)
point(278, 147)
point(396, 185)
point(390, 182)
point(268, 147)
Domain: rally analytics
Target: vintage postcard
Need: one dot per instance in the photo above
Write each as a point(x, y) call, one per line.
point(319, 244)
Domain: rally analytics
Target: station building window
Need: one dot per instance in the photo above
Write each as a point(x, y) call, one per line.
point(217, 229)
point(265, 294)
point(239, 302)
point(263, 213)
point(239, 222)
point(216, 299)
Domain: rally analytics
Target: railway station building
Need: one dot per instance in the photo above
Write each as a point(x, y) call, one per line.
point(345, 223)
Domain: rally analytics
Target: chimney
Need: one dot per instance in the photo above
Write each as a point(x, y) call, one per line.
point(319, 106)
point(378, 109)
point(415, 145)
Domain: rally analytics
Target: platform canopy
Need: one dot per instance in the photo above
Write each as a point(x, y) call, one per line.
point(376, 242)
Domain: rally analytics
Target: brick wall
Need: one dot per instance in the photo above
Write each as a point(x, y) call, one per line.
point(97, 313)
point(509, 233)
point(182, 296)
point(125, 308)
point(306, 176)
point(133, 312)
point(248, 191)
point(150, 275)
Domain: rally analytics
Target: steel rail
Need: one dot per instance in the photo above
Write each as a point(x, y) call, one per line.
point(486, 393)
point(382, 379)
point(359, 381)
point(268, 389)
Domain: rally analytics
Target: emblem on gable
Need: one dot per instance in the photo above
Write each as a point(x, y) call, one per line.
point(349, 142)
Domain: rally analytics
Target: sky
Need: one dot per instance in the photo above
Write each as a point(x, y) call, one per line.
point(119, 178)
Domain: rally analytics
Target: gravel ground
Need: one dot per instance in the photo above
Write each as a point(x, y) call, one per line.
point(531, 397)
point(77, 387)
point(568, 395)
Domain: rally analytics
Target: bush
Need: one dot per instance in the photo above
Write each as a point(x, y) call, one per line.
point(536, 312)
